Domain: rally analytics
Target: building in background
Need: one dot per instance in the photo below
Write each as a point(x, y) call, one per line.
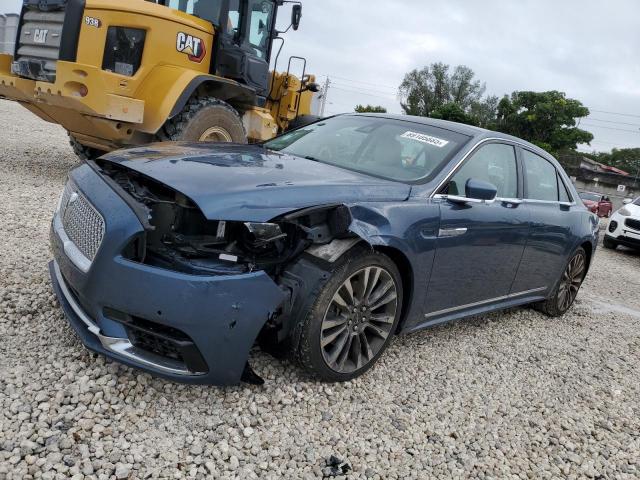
point(8, 31)
point(591, 176)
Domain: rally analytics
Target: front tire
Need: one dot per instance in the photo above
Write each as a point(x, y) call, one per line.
point(205, 120)
point(354, 317)
point(82, 151)
point(566, 290)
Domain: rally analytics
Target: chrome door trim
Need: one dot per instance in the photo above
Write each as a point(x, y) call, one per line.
point(483, 302)
point(451, 232)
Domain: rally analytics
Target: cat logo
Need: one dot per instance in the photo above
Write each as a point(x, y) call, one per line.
point(192, 46)
point(40, 36)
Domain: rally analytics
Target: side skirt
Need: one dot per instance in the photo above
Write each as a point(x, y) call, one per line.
point(502, 303)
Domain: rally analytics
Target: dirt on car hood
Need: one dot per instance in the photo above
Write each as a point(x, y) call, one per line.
point(250, 183)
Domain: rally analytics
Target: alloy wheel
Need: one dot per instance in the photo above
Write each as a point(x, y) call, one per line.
point(359, 319)
point(215, 134)
point(570, 282)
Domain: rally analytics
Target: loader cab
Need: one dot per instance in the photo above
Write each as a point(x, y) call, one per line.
point(245, 30)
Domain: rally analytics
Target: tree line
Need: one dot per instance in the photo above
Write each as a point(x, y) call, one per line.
point(546, 119)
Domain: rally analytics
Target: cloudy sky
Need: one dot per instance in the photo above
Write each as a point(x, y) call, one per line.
point(586, 48)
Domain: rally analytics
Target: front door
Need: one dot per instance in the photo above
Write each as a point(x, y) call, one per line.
point(244, 47)
point(479, 245)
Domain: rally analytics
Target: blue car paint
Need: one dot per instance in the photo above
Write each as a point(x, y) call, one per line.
point(214, 311)
point(526, 245)
point(249, 183)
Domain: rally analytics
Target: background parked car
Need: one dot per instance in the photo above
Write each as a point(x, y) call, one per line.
point(597, 203)
point(624, 226)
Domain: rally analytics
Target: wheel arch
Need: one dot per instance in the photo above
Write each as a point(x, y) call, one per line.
point(218, 87)
point(406, 275)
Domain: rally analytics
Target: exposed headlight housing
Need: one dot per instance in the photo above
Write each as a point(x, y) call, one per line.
point(624, 212)
point(265, 232)
point(123, 50)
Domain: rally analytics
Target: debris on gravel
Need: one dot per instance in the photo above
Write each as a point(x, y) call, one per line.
point(513, 394)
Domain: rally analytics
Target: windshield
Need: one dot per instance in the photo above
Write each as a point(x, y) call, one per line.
point(590, 196)
point(392, 149)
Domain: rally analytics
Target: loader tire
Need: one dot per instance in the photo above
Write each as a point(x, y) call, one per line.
point(205, 120)
point(82, 151)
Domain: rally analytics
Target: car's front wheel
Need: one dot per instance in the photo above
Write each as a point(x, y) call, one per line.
point(353, 318)
point(567, 287)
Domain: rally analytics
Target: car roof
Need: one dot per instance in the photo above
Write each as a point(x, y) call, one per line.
point(462, 128)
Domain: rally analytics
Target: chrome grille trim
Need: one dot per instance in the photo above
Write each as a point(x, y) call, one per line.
point(80, 227)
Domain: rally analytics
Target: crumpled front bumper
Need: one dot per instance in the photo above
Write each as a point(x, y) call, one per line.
point(217, 317)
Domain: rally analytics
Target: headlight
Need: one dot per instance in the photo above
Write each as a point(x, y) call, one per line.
point(265, 232)
point(624, 212)
point(123, 50)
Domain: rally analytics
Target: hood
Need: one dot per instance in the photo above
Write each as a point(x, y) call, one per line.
point(250, 183)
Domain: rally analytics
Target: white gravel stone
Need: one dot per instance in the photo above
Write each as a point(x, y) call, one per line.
point(513, 394)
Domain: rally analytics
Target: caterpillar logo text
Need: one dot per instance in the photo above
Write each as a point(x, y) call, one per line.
point(192, 46)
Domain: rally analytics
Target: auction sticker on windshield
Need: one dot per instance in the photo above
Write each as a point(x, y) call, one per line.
point(421, 137)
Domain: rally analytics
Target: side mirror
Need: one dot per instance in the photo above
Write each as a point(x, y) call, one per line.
point(480, 190)
point(627, 201)
point(296, 15)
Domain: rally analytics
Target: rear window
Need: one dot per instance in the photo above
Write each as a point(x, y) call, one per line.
point(382, 147)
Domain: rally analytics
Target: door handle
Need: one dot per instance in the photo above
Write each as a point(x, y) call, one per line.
point(451, 232)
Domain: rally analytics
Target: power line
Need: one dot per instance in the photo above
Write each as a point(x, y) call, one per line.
point(360, 93)
point(359, 81)
point(360, 89)
point(611, 128)
point(611, 121)
point(616, 113)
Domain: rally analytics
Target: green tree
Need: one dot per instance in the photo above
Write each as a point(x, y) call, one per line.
point(438, 91)
point(547, 119)
point(452, 112)
point(425, 90)
point(370, 109)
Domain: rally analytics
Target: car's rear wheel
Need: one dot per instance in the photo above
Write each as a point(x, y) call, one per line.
point(609, 243)
point(566, 290)
point(353, 318)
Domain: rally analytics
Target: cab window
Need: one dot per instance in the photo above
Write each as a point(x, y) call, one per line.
point(541, 178)
point(260, 18)
point(494, 163)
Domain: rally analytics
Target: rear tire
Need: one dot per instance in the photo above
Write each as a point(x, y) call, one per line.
point(205, 120)
point(353, 318)
point(567, 287)
point(608, 243)
point(82, 151)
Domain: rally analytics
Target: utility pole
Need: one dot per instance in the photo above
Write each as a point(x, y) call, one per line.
point(325, 92)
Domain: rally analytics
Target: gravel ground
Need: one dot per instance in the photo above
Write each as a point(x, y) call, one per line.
point(513, 394)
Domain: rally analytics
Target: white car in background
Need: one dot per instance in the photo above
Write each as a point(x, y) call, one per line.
point(624, 226)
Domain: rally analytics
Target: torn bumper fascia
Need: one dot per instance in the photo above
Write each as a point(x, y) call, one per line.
point(221, 314)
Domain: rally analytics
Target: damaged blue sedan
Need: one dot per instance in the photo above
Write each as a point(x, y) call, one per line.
point(324, 243)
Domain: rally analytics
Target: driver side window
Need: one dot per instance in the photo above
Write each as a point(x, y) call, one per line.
point(494, 163)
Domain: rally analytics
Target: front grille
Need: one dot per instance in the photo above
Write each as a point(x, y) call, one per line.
point(633, 224)
point(39, 44)
point(81, 221)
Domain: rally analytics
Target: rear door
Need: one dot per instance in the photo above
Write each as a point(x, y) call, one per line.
point(479, 245)
point(548, 202)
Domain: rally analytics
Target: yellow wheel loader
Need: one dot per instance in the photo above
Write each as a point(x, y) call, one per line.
point(116, 73)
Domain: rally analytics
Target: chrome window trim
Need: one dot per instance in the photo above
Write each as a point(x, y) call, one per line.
point(473, 149)
point(483, 302)
point(119, 346)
